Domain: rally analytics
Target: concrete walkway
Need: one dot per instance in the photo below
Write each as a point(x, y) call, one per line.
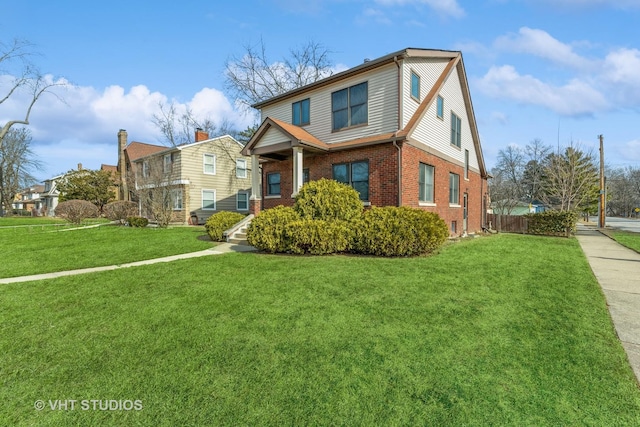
point(221, 248)
point(617, 269)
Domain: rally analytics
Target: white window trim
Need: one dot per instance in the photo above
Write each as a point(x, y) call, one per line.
point(414, 73)
point(174, 192)
point(237, 199)
point(441, 117)
point(145, 169)
point(204, 163)
point(243, 169)
point(215, 202)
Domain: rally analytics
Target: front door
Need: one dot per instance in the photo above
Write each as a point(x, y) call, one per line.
point(465, 212)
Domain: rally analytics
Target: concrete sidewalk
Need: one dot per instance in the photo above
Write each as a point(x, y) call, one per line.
point(222, 248)
point(617, 269)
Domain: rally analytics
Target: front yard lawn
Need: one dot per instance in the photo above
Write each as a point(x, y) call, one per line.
point(45, 249)
point(503, 330)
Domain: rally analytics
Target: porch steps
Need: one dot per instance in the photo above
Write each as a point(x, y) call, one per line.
point(238, 233)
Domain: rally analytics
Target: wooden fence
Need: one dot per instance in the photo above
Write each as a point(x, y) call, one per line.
point(507, 223)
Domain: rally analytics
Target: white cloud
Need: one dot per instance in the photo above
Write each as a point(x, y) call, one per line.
point(541, 44)
point(443, 7)
point(572, 99)
point(80, 124)
point(621, 74)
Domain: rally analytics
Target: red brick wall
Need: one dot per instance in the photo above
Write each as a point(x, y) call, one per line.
point(383, 180)
point(383, 172)
point(412, 157)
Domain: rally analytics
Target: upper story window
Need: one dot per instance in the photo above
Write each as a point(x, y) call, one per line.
point(241, 168)
point(355, 174)
point(415, 86)
point(456, 125)
point(349, 106)
point(300, 112)
point(168, 160)
point(145, 169)
point(209, 164)
point(440, 107)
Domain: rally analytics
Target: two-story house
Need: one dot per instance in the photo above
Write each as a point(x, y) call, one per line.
point(28, 200)
point(202, 178)
point(399, 129)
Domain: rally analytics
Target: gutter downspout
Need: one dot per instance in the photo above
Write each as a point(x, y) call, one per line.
point(395, 136)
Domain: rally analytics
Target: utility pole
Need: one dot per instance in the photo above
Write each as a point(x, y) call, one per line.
point(601, 200)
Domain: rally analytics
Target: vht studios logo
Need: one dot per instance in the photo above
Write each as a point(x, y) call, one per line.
point(89, 405)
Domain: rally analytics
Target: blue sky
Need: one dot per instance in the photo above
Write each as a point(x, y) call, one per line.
point(556, 70)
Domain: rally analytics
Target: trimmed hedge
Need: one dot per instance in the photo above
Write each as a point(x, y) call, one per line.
point(552, 223)
point(217, 224)
point(399, 231)
point(137, 221)
point(326, 199)
point(318, 237)
point(267, 230)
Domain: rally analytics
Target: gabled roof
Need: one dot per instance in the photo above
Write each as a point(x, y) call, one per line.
point(135, 150)
point(366, 66)
point(110, 168)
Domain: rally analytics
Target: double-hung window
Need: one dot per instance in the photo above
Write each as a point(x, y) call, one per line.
point(209, 164)
point(241, 168)
point(167, 163)
point(456, 125)
point(209, 200)
point(300, 112)
point(242, 201)
point(454, 189)
point(355, 174)
point(425, 183)
point(176, 198)
point(349, 106)
point(273, 184)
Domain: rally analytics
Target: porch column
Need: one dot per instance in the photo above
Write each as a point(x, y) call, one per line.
point(297, 170)
point(255, 200)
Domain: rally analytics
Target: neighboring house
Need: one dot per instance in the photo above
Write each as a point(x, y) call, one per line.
point(125, 170)
point(50, 196)
point(29, 200)
point(203, 177)
point(518, 208)
point(399, 129)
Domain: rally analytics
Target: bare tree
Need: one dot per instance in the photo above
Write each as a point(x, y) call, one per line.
point(28, 79)
point(533, 174)
point(178, 128)
point(623, 191)
point(253, 77)
point(17, 161)
point(156, 190)
point(571, 179)
point(506, 184)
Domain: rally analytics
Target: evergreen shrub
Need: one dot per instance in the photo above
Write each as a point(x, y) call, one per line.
point(217, 223)
point(318, 237)
point(399, 231)
point(137, 221)
point(267, 230)
point(327, 200)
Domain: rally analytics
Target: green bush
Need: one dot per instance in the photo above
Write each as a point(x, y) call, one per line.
point(399, 231)
point(552, 223)
point(327, 200)
point(137, 221)
point(217, 224)
point(267, 230)
point(318, 237)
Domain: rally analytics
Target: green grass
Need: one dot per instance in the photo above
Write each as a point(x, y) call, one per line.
point(627, 238)
point(27, 220)
point(503, 330)
point(43, 249)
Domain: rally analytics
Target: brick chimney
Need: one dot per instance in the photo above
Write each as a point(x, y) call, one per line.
point(79, 166)
point(201, 135)
point(122, 165)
